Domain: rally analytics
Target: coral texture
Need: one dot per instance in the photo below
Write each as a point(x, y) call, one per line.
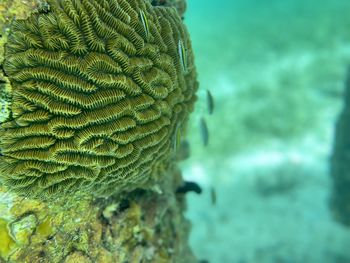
point(98, 90)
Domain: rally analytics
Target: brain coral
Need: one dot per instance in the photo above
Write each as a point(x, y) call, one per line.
point(98, 91)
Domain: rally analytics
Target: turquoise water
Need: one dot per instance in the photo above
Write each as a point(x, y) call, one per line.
point(276, 70)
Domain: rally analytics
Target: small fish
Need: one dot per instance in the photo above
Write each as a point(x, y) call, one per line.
point(177, 140)
point(210, 102)
point(144, 23)
point(183, 55)
point(204, 131)
point(213, 195)
point(184, 151)
point(3, 108)
point(43, 7)
point(189, 187)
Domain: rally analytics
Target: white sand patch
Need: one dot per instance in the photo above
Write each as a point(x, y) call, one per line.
point(281, 223)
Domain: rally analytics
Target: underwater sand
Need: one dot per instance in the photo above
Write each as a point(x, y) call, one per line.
point(276, 70)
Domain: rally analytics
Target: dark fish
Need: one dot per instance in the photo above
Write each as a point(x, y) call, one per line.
point(204, 131)
point(189, 187)
point(213, 195)
point(43, 7)
point(177, 139)
point(210, 102)
point(184, 151)
point(3, 108)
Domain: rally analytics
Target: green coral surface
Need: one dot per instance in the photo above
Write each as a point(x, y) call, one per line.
point(98, 90)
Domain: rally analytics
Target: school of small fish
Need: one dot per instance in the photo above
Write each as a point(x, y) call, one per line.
point(182, 51)
point(210, 99)
point(204, 131)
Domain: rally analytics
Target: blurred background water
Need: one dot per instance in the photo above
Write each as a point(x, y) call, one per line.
point(277, 71)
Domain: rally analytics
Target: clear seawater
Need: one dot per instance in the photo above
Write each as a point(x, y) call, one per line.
point(276, 69)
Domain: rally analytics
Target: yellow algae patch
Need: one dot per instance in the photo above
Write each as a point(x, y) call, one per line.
point(20, 9)
point(24, 206)
point(6, 242)
point(45, 228)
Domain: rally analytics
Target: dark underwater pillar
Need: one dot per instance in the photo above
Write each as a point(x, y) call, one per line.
point(340, 162)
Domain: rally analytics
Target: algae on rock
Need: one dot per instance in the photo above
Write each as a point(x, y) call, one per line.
point(144, 225)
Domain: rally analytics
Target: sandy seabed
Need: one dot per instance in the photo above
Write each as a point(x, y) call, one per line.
point(278, 79)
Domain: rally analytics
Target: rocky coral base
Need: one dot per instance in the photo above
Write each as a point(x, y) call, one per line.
point(146, 226)
point(340, 172)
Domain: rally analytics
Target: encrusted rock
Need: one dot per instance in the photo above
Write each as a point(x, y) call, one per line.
point(22, 229)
